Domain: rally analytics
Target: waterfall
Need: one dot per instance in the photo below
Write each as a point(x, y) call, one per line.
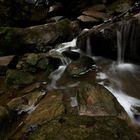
point(125, 40)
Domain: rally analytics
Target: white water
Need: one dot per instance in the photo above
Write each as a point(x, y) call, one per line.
point(123, 81)
point(56, 75)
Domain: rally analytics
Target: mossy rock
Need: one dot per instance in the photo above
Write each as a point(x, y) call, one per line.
point(38, 60)
point(43, 63)
point(49, 108)
point(32, 59)
point(95, 100)
point(16, 77)
point(33, 62)
point(27, 40)
point(72, 127)
point(26, 103)
point(81, 66)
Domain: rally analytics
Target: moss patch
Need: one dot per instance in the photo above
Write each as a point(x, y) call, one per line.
point(15, 77)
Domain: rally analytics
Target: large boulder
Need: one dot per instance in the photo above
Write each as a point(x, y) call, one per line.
point(95, 100)
point(21, 40)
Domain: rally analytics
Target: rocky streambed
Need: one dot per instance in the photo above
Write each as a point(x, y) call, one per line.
point(51, 88)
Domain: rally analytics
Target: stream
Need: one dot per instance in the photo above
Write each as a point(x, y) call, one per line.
point(121, 79)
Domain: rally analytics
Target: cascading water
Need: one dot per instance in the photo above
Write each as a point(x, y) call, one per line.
point(125, 40)
point(120, 78)
point(56, 75)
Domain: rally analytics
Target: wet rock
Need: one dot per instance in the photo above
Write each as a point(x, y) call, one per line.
point(120, 7)
point(5, 62)
point(22, 40)
point(26, 103)
point(31, 88)
point(19, 78)
point(71, 54)
point(79, 67)
point(94, 15)
point(97, 15)
point(38, 62)
point(88, 19)
point(47, 110)
point(95, 100)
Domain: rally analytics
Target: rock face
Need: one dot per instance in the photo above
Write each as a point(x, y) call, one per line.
point(25, 14)
point(18, 40)
point(105, 38)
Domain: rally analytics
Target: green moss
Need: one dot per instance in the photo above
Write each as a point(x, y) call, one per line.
point(43, 63)
point(63, 27)
point(72, 127)
point(32, 59)
point(15, 77)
